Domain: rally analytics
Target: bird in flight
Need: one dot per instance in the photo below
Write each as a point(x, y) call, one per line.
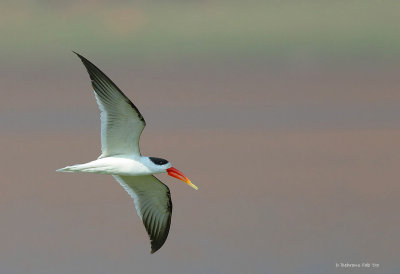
point(121, 127)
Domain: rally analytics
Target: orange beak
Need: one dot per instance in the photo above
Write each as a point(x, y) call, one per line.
point(179, 175)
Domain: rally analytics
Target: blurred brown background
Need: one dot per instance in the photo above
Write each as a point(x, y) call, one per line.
point(285, 114)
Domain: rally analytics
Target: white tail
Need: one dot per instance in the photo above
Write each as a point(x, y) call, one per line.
point(91, 167)
point(74, 168)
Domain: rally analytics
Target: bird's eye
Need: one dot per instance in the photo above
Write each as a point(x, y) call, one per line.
point(158, 161)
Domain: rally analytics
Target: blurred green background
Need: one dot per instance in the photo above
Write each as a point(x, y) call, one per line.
point(201, 30)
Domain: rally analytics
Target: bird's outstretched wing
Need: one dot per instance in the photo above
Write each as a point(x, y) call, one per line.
point(153, 205)
point(121, 121)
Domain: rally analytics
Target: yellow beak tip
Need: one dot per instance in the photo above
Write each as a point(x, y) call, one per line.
point(192, 185)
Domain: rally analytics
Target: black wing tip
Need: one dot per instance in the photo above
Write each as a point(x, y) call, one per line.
point(158, 240)
point(80, 56)
point(92, 70)
point(157, 245)
point(84, 60)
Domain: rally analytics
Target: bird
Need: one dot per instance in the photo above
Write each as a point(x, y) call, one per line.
point(121, 127)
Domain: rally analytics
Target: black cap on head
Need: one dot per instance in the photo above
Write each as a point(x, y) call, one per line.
point(158, 161)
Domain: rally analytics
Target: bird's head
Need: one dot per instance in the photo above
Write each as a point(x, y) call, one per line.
point(166, 166)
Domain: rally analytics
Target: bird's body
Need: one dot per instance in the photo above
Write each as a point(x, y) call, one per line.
point(121, 127)
point(127, 165)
